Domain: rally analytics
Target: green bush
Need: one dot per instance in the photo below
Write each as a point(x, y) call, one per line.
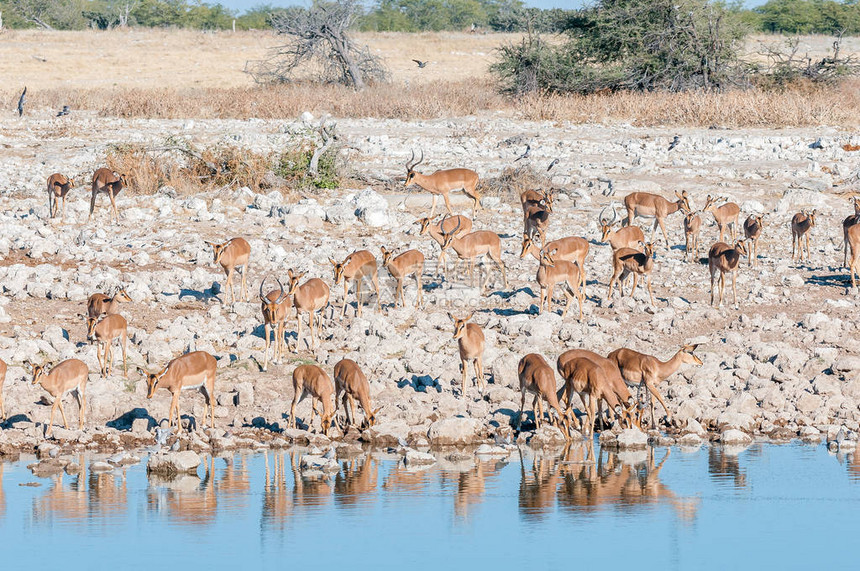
point(293, 166)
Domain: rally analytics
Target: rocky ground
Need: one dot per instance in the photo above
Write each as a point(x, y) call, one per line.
point(783, 364)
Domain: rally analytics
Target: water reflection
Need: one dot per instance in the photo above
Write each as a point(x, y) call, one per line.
point(723, 465)
point(573, 482)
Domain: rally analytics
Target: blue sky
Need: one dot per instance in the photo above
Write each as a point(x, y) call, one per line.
point(243, 5)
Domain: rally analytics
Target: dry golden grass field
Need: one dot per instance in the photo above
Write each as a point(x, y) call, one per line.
point(179, 73)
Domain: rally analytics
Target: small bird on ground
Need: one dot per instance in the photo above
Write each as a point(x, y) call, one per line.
point(421, 64)
point(525, 155)
point(21, 101)
point(674, 142)
point(64, 111)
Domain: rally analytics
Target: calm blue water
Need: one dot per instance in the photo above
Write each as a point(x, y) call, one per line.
point(769, 506)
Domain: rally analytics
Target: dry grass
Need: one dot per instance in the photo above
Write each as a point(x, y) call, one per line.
point(178, 74)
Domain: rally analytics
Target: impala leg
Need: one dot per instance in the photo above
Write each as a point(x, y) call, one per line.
point(113, 205)
point(109, 356)
point(463, 365)
point(479, 371)
point(266, 329)
point(807, 246)
point(376, 287)
point(345, 291)
point(230, 285)
point(522, 406)
point(537, 406)
point(734, 289)
point(592, 401)
point(712, 285)
point(358, 296)
point(652, 387)
point(293, 409)
point(92, 204)
point(722, 286)
point(650, 292)
point(64, 209)
point(59, 402)
point(549, 292)
point(51, 419)
point(125, 355)
point(433, 207)
point(352, 411)
point(244, 284)
point(419, 302)
point(299, 328)
point(447, 202)
point(100, 358)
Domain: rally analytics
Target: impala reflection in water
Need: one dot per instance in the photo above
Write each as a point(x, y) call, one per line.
point(257, 508)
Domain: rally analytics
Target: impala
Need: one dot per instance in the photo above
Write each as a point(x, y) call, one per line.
point(192, 371)
point(801, 224)
point(848, 223)
point(853, 239)
point(99, 303)
point(585, 377)
point(231, 254)
point(550, 273)
point(624, 237)
point(641, 369)
point(58, 187)
point(442, 182)
point(647, 204)
point(476, 245)
point(538, 378)
point(463, 226)
point(2, 378)
point(570, 249)
point(107, 181)
point(626, 261)
point(312, 380)
point(752, 232)
point(355, 267)
point(103, 332)
point(724, 215)
point(532, 197)
point(274, 306)
point(350, 383)
point(725, 259)
point(470, 340)
point(536, 222)
point(692, 225)
point(410, 262)
point(309, 297)
point(70, 375)
point(618, 394)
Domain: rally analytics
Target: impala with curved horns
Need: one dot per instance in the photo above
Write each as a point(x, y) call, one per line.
point(274, 306)
point(442, 182)
point(624, 237)
point(192, 371)
point(654, 205)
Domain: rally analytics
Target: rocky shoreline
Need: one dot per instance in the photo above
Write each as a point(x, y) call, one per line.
point(785, 364)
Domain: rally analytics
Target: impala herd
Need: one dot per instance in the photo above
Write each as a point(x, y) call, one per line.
point(595, 379)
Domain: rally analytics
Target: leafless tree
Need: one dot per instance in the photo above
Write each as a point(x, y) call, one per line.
point(319, 41)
